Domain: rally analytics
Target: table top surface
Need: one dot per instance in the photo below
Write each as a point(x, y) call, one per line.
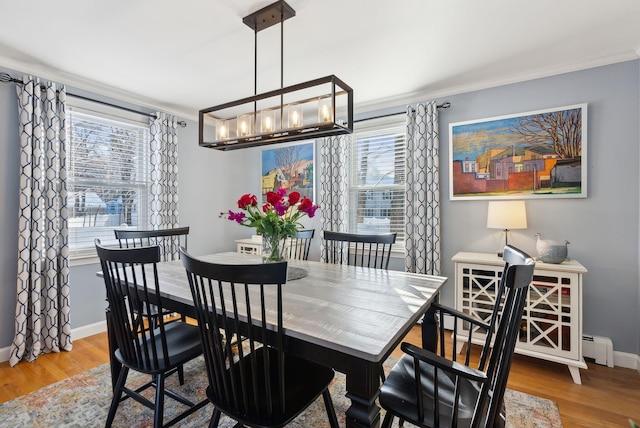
point(358, 311)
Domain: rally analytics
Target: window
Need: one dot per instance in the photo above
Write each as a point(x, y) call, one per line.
point(377, 180)
point(108, 178)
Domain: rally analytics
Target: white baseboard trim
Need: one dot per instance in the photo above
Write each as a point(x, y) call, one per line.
point(626, 360)
point(76, 333)
point(4, 354)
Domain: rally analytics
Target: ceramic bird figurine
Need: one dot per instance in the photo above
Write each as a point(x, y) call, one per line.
point(554, 253)
point(542, 244)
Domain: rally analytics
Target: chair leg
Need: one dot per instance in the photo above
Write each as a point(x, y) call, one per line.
point(181, 374)
point(117, 394)
point(388, 420)
point(159, 406)
point(215, 419)
point(331, 412)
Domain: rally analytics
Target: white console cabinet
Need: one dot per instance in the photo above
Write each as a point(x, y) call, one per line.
point(251, 245)
point(551, 326)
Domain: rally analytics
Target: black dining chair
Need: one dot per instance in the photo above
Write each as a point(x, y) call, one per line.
point(370, 250)
point(169, 240)
point(260, 385)
point(300, 244)
point(435, 389)
point(131, 281)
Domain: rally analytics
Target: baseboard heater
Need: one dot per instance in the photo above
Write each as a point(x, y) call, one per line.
point(599, 348)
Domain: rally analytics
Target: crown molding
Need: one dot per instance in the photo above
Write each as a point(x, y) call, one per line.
point(360, 108)
point(422, 95)
point(108, 92)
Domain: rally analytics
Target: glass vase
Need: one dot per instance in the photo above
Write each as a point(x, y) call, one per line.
point(274, 249)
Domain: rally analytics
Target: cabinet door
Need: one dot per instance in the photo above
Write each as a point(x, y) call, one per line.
point(550, 321)
point(476, 292)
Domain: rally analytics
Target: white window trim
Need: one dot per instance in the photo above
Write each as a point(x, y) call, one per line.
point(371, 125)
point(111, 113)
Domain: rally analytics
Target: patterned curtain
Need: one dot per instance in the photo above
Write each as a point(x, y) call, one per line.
point(42, 308)
point(334, 181)
point(423, 190)
point(164, 172)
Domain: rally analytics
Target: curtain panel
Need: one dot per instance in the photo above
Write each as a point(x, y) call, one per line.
point(164, 173)
point(334, 185)
point(42, 306)
point(422, 237)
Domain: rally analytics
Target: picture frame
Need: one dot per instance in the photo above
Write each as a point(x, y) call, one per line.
point(537, 154)
point(291, 166)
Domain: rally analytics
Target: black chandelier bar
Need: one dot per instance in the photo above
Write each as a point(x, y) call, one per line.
point(318, 108)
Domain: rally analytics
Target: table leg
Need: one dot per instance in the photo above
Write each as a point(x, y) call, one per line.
point(363, 384)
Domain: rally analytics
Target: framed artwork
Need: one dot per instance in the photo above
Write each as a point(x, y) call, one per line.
point(539, 154)
point(291, 167)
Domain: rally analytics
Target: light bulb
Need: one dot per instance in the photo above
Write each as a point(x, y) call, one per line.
point(325, 113)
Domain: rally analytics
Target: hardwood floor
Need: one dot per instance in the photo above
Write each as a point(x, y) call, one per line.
point(607, 397)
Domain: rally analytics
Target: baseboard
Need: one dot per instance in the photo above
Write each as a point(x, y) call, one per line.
point(626, 360)
point(89, 330)
point(4, 354)
point(76, 333)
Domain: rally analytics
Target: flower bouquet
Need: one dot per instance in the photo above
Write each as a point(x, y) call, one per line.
point(276, 220)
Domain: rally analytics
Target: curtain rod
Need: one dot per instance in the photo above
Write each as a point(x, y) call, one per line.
point(6, 78)
point(445, 104)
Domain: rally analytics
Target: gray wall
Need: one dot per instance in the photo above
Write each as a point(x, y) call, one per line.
point(9, 174)
point(603, 228)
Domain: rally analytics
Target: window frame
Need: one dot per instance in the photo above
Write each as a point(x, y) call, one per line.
point(87, 254)
point(374, 126)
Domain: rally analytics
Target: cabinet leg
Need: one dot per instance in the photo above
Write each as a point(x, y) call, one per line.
point(575, 374)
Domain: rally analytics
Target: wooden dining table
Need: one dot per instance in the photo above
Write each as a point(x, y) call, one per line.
point(345, 317)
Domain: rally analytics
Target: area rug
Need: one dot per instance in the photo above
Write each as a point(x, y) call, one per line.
point(83, 401)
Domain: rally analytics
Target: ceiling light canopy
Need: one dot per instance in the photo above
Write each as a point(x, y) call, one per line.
point(318, 108)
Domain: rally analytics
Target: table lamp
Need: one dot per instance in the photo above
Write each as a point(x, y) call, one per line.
point(506, 215)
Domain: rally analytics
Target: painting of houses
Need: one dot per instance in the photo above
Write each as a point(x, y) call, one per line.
point(539, 154)
point(290, 167)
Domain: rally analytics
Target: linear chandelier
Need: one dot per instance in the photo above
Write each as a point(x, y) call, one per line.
point(318, 108)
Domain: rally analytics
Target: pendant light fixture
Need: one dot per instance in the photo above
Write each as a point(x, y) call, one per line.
point(318, 108)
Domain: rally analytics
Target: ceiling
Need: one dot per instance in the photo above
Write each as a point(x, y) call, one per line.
point(184, 56)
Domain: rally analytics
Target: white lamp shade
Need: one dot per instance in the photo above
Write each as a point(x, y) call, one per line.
point(507, 215)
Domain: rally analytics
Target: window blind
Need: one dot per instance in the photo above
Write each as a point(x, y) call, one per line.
point(108, 179)
point(377, 182)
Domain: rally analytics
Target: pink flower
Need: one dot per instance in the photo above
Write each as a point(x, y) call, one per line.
point(237, 217)
point(306, 206)
point(280, 208)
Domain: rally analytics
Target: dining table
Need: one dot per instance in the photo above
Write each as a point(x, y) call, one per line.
point(346, 317)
